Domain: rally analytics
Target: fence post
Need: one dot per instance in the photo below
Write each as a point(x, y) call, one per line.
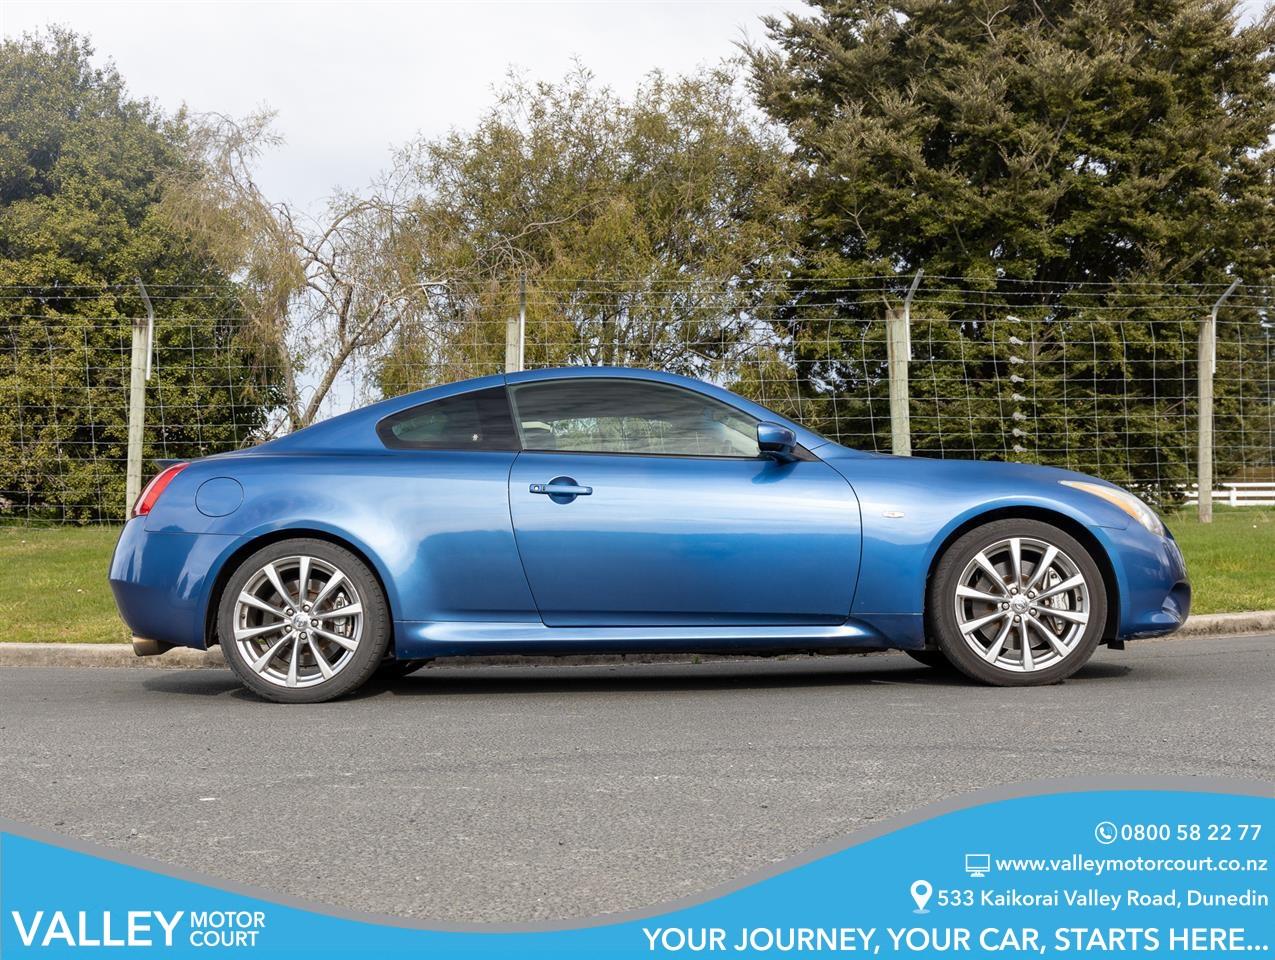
point(139, 373)
point(897, 359)
point(516, 332)
point(1207, 370)
point(898, 346)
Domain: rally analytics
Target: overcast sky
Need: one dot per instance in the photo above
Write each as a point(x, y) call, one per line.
point(350, 80)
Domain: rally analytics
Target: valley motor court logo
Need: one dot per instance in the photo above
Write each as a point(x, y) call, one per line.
point(138, 928)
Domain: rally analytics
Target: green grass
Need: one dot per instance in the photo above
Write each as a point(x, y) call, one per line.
point(53, 585)
point(53, 579)
point(1231, 560)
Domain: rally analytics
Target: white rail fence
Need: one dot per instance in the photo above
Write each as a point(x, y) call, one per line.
point(1237, 494)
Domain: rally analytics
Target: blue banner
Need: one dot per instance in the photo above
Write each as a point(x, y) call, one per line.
point(1068, 873)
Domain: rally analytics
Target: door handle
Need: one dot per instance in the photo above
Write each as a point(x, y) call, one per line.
point(561, 489)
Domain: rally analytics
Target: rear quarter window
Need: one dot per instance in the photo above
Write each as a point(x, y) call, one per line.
point(479, 420)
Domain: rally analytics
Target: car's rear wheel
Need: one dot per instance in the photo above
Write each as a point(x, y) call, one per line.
point(303, 621)
point(1017, 603)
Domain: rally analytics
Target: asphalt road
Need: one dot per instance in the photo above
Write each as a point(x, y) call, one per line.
point(504, 794)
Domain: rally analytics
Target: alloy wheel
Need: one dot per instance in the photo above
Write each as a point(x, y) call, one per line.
point(298, 621)
point(1022, 604)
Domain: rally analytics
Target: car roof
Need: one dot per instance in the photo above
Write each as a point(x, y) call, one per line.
point(357, 430)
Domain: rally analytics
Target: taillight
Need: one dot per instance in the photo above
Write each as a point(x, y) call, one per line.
point(156, 487)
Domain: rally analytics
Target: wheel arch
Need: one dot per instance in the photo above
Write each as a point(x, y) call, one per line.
point(230, 563)
point(1070, 525)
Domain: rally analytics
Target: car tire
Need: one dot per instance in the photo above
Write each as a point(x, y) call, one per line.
point(1017, 603)
point(930, 658)
point(303, 644)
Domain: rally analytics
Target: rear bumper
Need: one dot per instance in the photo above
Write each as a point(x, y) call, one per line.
point(161, 583)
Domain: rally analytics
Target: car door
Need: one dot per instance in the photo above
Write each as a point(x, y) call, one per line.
point(639, 503)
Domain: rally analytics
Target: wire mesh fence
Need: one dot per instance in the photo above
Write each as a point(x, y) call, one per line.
point(1090, 377)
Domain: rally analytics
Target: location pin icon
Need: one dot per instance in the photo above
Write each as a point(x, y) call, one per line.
point(921, 891)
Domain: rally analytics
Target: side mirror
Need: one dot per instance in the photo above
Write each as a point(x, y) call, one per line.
point(777, 442)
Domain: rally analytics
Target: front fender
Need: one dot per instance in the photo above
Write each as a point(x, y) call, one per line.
point(1153, 595)
point(1109, 538)
point(911, 508)
point(899, 552)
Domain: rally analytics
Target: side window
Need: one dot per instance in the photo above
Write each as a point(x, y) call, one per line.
point(469, 421)
point(630, 416)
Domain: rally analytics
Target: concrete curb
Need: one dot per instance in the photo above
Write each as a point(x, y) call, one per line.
point(1226, 624)
point(103, 655)
point(121, 654)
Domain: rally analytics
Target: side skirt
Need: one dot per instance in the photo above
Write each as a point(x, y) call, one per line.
point(422, 639)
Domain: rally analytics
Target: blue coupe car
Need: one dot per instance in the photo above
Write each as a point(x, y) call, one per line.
point(613, 510)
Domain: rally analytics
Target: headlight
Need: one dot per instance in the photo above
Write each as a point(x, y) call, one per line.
point(1123, 499)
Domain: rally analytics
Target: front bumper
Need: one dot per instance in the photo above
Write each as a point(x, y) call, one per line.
point(1156, 595)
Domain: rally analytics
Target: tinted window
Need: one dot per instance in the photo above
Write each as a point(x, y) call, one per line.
point(468, 421)
point(630, 416)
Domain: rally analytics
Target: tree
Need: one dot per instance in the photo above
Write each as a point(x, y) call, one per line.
point(321, 295)
point(647, 229)
point(643, 229)
point(82, 168)
point(1027, 148)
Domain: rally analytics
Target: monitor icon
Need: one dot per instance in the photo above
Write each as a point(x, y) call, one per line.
point(978, 864)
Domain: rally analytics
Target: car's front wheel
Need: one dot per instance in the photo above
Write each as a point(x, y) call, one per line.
point(303, 621)
point(1017, 603)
